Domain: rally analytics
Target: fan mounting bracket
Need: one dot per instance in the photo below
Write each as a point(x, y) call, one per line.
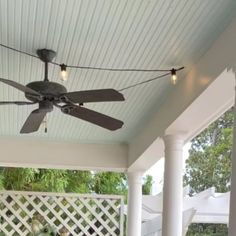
point(46, 55)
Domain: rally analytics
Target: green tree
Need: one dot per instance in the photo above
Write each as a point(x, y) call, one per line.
point(18, 178)
point(147, 185)
point(79, 181)
point(1, 178)
point(45, 180)
point(1, 182)
point(53, 180)
point(110, 183)
point(209, 164)
point(71, 181)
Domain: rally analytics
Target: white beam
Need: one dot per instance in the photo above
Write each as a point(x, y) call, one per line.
point(150, 156)
point(208, 107)
point(221, 56)
point(41, 153)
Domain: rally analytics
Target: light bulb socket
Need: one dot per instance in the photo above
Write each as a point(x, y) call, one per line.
point(63, 67)
point(173, 72)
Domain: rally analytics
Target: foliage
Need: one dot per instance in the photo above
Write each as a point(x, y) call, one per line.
point(79, 181)
point(1, 182)
point(147, 185)
point(207, 230)
point(54, 180)
point(47, 230)
point(48, 180)
point(18, 178)
point(209, 164)
point(110, 183)
point(72, 181)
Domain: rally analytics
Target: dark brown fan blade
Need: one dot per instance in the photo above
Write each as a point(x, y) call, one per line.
point(20, 87)
point(33, 121)
point(99, 95)
point(94, 117)
point(16, 103)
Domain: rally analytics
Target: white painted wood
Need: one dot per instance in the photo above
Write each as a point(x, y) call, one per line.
point(173, 186)
point(81, 214)
point(134, 219)
point(62, 155)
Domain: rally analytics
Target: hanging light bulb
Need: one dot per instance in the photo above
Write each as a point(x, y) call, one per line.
point(173, 76)
point(64, 73)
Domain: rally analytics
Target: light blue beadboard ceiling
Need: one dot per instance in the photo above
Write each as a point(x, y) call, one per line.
point(146, 34)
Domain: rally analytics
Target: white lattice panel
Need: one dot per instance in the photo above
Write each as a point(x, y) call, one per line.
point(82, 215)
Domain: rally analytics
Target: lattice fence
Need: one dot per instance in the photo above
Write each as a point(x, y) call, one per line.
point(80, 214)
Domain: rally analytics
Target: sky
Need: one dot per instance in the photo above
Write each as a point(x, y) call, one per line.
point(157, 171)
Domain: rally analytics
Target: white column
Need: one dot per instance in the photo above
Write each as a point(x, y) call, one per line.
point(134, 204)
point(232, 212)
point(173, 186)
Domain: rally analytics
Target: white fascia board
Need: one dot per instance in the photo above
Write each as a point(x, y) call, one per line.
point(39, 153)
point(208, 107)
point(221, 56)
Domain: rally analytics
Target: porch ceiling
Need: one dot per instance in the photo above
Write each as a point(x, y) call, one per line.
point(119, 34)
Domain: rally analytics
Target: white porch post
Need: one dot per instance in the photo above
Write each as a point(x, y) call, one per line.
point(232, 212)
point(134, 204)
point(173, 186)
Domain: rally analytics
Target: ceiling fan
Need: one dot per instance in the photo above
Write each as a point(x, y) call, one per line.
point(49, 94)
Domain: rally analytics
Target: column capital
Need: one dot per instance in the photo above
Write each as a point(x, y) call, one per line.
point(135, 176)
point(173, 140)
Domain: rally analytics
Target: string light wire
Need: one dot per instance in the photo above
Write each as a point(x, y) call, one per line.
point(168, 72)
point(144, 82)
point(19, 51)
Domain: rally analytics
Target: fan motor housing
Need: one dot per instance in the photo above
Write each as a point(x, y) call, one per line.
point(48, 89)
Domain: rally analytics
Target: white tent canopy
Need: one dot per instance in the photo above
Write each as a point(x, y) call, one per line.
point(205, 207)
point(154, 227)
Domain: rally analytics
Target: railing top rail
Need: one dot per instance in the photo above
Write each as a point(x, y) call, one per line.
point(76, 195)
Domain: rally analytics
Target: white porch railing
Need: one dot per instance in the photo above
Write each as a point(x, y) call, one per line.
point(81, 214)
